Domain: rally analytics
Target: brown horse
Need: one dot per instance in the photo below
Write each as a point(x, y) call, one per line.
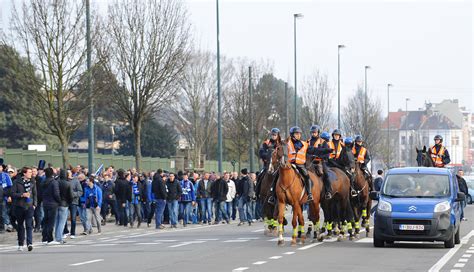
point(290, 190)
point(361, 203)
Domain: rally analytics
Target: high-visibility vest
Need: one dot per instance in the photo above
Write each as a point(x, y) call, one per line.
point(335, 154)
point(437, 157)
point(361, 157)
point(318, 142)
point(297, 157)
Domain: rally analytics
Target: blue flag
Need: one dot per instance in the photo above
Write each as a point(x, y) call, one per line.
point(99, 170)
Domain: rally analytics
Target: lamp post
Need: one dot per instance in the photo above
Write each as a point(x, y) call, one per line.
point(91, 144)
point(296, 16)
point(406, 130)
point(339, 47)
point(252, 151)
point(365, 100)
point(388, 125)
point(219, 102)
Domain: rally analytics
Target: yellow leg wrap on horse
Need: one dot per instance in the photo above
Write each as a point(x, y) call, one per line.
point(349, 225)
point(281, 227)
point(301, 228)
point(357, 225)
point(317, 226)
point(295, 232)
point(329, 227)
point(364, 213)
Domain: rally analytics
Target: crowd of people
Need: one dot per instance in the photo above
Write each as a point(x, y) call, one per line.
point(53, 201)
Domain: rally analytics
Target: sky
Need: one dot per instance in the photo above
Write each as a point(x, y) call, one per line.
point(424, 48)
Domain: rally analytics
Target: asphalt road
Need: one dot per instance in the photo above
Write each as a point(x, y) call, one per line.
point(233, 248)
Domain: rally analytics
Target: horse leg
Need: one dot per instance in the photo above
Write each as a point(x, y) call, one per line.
point(322, 231)
point(343, 232)
point(281, 214)
point(350, 230)
point(295, 229)
point(369, 207)
point(301, 226)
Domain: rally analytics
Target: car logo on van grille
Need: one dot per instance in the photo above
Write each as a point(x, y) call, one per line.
point(412, 209)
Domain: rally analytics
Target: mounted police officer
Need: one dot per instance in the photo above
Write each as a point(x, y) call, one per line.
point(318, 141)
point(361, 155)
point(439, 154)
point(297, 151)
point(265, 154)
point(339, 156)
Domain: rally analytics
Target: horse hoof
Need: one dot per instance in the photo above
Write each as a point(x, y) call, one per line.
point(351, 238)
point(281, 242)
point(366, 234)
point(357, 236)
point(340, 238)
point(293, 242)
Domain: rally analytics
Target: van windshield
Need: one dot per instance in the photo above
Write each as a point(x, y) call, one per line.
point(417, 185)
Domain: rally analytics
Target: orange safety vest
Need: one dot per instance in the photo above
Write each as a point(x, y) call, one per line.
point(437, 158)
point(361, 157)
point(316, 144)
point(335, 154)
point(297, 157)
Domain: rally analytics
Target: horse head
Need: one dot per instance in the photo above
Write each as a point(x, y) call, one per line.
point(423, 157)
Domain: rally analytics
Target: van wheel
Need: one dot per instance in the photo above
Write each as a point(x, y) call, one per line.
point(469, 199)
point(457, 239)
point(450, 242)
point(379, 242)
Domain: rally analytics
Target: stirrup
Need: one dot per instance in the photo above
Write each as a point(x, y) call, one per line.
point(328, 195)
point(271, 200)
point(310, 198)
point(353, 193)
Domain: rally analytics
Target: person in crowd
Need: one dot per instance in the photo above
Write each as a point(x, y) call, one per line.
point(174, 194)
point(187, 200)
point(235, 203)
point(81, 208)
point(219, 192)
point(378, 180)
point(65, 194)
point(136, 188)
point(51, 200)
point(160, 195)
point(122, 194)
point(93, 195)
point(244, 192)
point(109, 201)
point(462, 188)
point(251, 205)
point(39, 213)
point(230, 194)
point(5, 186)
point(77, 192)
point(204, 195)
point(24, 197)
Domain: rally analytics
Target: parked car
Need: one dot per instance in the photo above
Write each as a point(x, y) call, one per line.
point(418, 204)
point(470, 188)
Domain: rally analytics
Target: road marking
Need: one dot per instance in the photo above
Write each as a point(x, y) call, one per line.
point(462, 260)
point(86, 242)
point(455, 270)
point(467, 255)
point(145, 244)
point(275, 257)
point(471, 248)
point(259, 230)
point(166, 241)
point(208, 239)
point(260, 262)
point(470, 251)
point(240, 269)
point(250, 238)
point(141, 235)
point(110, 240)
point(459, 265)
point(187, 243)
point(287, 239)
point(445, 259)
point(309, 246)
point(289, 253)
point(235, 241)
point(88, 262)
point(103, 245)
point(365, 240)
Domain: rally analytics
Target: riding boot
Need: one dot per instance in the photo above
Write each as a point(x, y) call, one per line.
point(327, 187)
point(271, 199)
point(258, 185)
point(353, 192)
point(307, 185)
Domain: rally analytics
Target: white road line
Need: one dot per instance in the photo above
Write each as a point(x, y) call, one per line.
point(259, 230)
point(445, 259)
point(145, 244)
point(141, 235)
point(208, 239)
point(310, 246)
point(470, 251)
point(166, 241)
point(240, 269)
point(471, 248)
point(110, 240)
point(275, 257)
point(467, 255)
point(235, 241)
point(287, 239)
point(126, 241)
point(88, 262)
point(289, 253)
point(187, 243)
point(249, 238)
point(462, 260)
point(365, 240)
point(459, 265)
point(455, 270)
point(103, 245)
point(260, 262)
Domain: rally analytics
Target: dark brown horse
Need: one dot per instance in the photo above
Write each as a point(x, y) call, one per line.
point(361, 203)
point(290, 190)
point(423, 157)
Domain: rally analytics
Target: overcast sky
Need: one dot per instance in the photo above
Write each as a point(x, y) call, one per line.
point(424, 48)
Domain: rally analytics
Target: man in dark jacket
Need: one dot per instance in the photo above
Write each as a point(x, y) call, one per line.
point(378, 180)
point(204, 196)
point(158, 189)
point(24, 197)
point(123, 194)
point(174, 194)
point(244, 192)
point(219, 194)
point(108, 188)
point(65, 194)
point(463, 188)
point(73, 208)
point(51, 199)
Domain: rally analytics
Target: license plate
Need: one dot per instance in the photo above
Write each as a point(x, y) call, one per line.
point(412, 227)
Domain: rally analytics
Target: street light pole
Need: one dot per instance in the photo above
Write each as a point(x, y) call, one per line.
point(251, 155)
point(339, 47)
point(388, 125)
point(406, 130)
point(365, 101)
point(286, 109)
point(296, 16)
point(91, 144)
point(219, 102)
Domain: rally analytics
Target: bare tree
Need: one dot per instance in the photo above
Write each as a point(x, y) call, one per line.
point(52, 34)
point(317, 101)
point(353, 120)
point(195, 113)
point(146, 44)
